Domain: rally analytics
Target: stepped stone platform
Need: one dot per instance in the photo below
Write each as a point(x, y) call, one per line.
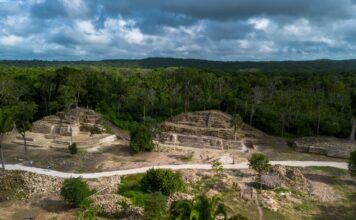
point(205, 129)
point(56, 130)
point(332, 147)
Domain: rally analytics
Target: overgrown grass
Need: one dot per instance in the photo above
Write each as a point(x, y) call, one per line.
point(306, 206)
point(332, 171)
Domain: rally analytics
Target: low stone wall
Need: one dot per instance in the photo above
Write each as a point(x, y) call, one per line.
point(108, 139)
point(331, 147)
point(199, 141)
point(227, 133)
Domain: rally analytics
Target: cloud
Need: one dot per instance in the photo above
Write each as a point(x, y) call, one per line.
point(10, 40)
point(207, 29)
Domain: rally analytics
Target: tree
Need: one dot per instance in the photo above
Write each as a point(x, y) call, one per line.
point(162, 180)
point(217, 167)
point(352, 163)
point(260, 163)
point(23, 116)
point(6, 124)
point(236, 122)
point(141, 139)
point(73, 148)
point(353, 109)
point(201, 207)
point(76, 192)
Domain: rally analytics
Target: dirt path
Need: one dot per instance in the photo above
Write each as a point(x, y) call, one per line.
point(341, 165)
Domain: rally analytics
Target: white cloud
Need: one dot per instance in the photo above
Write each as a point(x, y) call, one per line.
point(11, 40)
point(260, 23)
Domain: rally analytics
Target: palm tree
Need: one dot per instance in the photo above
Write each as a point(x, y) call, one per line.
point(201, 208)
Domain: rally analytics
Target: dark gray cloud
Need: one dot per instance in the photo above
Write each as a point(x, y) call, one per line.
point(211, 29)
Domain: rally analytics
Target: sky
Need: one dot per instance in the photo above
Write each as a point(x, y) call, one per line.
point(202, 29)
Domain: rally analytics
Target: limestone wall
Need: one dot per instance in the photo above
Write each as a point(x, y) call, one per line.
point(199, 141)
point(331, 147)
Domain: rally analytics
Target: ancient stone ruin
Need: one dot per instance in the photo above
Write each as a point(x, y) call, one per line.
point(332, 147)
point(210, 129)
point(84, 125)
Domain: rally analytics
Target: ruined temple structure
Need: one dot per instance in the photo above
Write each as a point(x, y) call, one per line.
point(56, 130)
point(205, 129)
point(77, 119)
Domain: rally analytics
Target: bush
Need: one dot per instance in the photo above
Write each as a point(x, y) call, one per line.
point(95, 130)
point(162, 180)
point(76, 192)
point(218, 167)
point(130, 187)
point(259, 162)
point(73, 148)
point(141, 139)
point(155, 206)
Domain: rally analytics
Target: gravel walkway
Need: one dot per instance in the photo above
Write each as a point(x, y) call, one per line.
point(341, 165)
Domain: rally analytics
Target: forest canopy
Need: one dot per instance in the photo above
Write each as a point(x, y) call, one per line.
point(285, 102)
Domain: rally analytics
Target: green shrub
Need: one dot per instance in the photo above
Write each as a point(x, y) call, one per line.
point(141, 139)
point(130, 187)
point(73, 148)
point(217, 167)
point(162, 180)
point(88, 211)
point(259, 162)
point(76, 192)
point(95, 130)
point(155, 206)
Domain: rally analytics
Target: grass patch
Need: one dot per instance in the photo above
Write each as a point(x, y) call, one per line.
point(306, 206)
point(332, 171)
point(282, 190)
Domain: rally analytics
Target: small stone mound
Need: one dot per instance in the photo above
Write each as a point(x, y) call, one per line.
point(18, 185)
point(190, 176)
point(177, 197)
point(271, 180)
point(269, 202)
point(116, 206)
point(292, 178)
point(105, 185)
point(246, 192)
point(323, 192)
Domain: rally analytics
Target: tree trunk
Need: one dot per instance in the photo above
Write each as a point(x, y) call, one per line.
point(71, 134)
point(318, 126)
point(252, 114)
point(2, 154)
point(353, 130)
point(25, 144)
point(144, 112)
point(77, 101)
